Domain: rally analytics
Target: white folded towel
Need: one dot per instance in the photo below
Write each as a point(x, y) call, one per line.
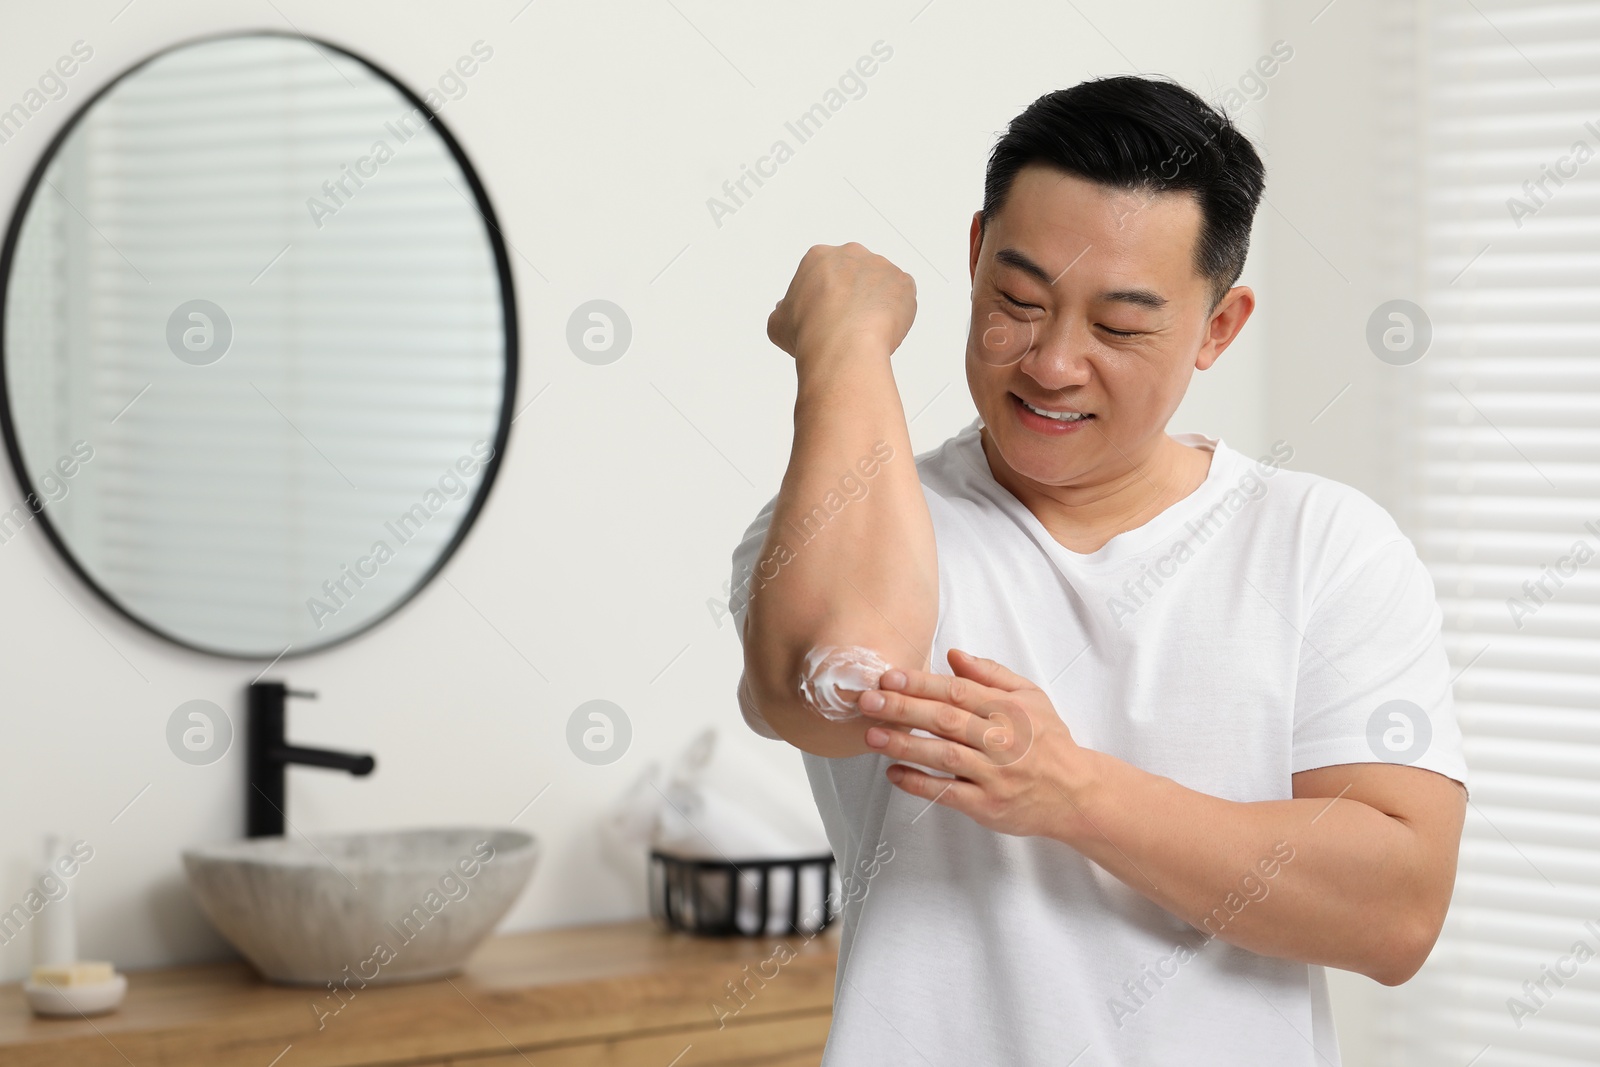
point(685, 817)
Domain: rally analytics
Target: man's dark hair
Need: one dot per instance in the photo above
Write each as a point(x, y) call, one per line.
point(1144, 136)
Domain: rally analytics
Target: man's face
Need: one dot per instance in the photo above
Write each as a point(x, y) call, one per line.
point(1098, 287)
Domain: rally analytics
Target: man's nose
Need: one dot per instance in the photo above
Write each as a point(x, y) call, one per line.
point(1059, 356)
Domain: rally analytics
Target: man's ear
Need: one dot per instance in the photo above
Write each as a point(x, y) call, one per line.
point(975, 242)
point(1232, 312)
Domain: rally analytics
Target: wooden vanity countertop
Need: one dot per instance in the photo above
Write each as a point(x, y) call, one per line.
point(522, 998)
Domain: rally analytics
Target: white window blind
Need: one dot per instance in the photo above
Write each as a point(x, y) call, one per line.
point(1500, 489)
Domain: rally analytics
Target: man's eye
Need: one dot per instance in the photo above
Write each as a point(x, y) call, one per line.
point(1017, 303)
point(1120, 333)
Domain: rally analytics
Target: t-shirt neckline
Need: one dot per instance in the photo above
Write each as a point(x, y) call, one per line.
point(1155, 530)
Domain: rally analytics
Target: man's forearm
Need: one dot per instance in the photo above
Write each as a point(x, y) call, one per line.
point(849, 556)
point(1316, 879)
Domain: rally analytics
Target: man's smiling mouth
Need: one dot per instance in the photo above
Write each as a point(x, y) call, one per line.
point(1058, 414)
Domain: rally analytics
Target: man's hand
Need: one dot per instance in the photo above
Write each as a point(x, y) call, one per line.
point(1373, 845)
point(840, 296)
point(1014, 759)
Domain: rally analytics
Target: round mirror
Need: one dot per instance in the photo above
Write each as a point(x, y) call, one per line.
point(259, 345)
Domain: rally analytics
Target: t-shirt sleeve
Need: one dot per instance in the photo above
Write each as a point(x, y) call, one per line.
point(1374, 679)
point(745, 576)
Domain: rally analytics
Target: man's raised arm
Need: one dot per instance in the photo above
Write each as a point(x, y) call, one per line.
point(860, 578)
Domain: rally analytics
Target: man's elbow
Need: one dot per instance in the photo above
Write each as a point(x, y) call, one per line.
point(752, 714)
point(1410, 942)
point(786, 718)
point(761, 696)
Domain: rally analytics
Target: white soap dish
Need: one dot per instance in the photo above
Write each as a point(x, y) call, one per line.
point(94, 999)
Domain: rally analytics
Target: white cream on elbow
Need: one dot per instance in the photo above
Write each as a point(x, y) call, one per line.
point(829, 671)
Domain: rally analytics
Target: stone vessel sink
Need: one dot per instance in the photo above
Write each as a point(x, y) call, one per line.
point(364, 908)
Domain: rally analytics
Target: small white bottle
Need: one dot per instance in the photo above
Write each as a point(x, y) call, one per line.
point(61, 984)
point(55, 929)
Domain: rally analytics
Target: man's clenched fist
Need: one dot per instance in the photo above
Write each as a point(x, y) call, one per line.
point(843, 296)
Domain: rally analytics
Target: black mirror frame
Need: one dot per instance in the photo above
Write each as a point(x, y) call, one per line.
point(508, 306)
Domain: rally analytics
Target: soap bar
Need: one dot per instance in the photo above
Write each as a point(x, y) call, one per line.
point(84, 972)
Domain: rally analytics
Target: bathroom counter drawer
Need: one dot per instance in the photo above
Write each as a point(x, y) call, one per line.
point(792, 1041)
point(607, 995)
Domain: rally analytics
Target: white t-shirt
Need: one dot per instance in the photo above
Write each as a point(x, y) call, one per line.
point(1257, 628)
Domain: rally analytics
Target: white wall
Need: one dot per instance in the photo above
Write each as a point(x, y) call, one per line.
point(600, 130)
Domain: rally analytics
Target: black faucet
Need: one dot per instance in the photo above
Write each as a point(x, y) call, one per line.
point(269, 754)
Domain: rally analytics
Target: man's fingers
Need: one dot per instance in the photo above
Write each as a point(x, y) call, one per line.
point(933, 715)
point(987, 672)
point(954, 757)
point(944, 688)
point(1003, 731)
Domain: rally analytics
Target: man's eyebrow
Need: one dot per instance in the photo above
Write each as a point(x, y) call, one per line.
point(1145, 298)
point(1013, 257)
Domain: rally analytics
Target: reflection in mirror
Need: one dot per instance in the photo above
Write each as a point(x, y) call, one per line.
point(258, 345)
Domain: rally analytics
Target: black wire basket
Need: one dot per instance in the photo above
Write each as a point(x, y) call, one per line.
point(717, 898)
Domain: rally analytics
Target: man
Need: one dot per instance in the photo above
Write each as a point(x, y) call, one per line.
point(1197, 740)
